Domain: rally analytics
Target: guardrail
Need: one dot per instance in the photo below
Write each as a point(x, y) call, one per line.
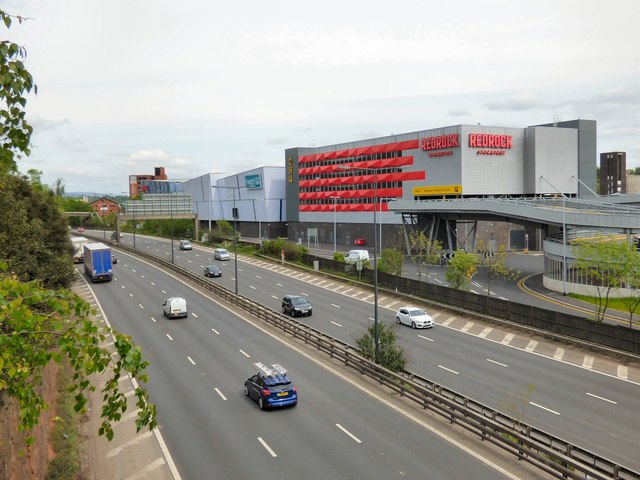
point(553, 455)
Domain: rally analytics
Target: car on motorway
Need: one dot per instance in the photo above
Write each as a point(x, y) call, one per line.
point(271, 387)
point(212, 271)
point(359, 242)
point(221, 254)
point(114, 259)
point(296, 305)
point(185, 245)
point(81, 230)
point(175, 307)
point(414, 317)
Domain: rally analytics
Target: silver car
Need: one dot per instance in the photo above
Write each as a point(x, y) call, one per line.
point(415, 317)
point(221, 254)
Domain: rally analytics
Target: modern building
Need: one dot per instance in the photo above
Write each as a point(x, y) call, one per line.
point(142, 184)
point(613, 173)
point(330, 190)
point(255, 199)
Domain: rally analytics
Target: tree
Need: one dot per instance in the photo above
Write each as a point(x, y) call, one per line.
point(425, 252)
point(493, 263)
point(390, 355)
point(460, 270)
point(15, 83)
point(604, 265)
point(391, 261)
point(39, 325)
point(631, 279)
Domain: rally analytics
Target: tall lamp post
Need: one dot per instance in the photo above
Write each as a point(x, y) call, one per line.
point(374, 172)
point(335, 224)
point(103, 209)
point(171, 213)
point(235, 231)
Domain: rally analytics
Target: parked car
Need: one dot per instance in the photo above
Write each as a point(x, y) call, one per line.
point(212, 271)
point(415, 317)
point(359, 242)
point(354, 255)
point(175, 307)
point(185, 245)
point(296, 305)
point(221, 254)
point(271, 387)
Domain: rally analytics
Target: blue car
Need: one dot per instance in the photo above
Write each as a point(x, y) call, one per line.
point(271, 387)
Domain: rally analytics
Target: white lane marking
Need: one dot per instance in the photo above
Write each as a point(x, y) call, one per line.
point(497, 363)
point(467, 327)
point(328, 285)
point(587, 362)
point(194, 314)
point(191, 360)
point(304, 293)
point(336, 324)
point(507, 338)
point(133, 270)
point(152, 284)
point(448, 321)
point(244, 353)
point(426, 338)
point(215, 331)
point(531, 346)
point(485, 332)
point(122, 286)
point(140, 305)
point(267, 447)
point(544, 408)
point(157, 463)
point(438, 280)
point(220, 393)
point(436, 315)
point(141, 276)
point(258, 276)
point(623, 372)
point(559, 354)
point(169, 337)
point(131, 295)
point(347, 291)
point(134, 441)
point(448, 369)
point(279, 284)
point(356, 439)
point(252, 287)
point(274, 296)
point(601, 398)
point(372, 319)
point(334, 305)
point(505, 299)
point(163, 291)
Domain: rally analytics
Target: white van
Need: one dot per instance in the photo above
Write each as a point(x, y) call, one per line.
point(354, 255)
point(175, 307)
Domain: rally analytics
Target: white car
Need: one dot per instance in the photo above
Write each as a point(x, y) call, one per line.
point(415, 317)
point(175, 307)
point(221, 254)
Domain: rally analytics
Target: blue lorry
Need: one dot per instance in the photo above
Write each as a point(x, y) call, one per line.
point(98, 262)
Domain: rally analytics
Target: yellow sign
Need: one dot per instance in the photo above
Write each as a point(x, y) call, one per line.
point(438, 190)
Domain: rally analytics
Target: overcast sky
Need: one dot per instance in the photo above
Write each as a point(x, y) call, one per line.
point(204, 86)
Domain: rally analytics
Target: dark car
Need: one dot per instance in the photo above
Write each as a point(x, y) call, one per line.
point(295, 305)
point(271, 387)
point(359, 242)
point(212, 271)
point(114, 259)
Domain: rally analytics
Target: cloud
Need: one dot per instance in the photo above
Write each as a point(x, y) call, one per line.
point(146, 157)
point(75, 145)
point(517, 104)
point(277, 141)
point(459, 112)
point(40, 124)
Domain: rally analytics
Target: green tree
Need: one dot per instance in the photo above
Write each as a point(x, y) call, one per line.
point(460, 270)
point(38, 326)
point(631, 279)
point(604, 264)
point(391, 261)
point(424, 251)
point(15, 83)
point(390, 354)
point(493, 263)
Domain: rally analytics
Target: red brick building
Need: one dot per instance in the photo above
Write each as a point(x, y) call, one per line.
point(104, 206)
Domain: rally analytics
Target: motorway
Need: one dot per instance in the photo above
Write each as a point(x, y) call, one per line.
point(596, 411)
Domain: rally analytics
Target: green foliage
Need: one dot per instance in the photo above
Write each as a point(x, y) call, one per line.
point(223, 229)
point(38, 326)
point(390, 354)
point(292, 251)
point(34, 239)
point(460, 270)
point(424, 251)
point(15, 83)
point(338, 257)
point(391, 261)
point(495, 267)
point(179, 228)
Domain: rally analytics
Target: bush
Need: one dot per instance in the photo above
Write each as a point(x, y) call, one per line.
point(390, 355)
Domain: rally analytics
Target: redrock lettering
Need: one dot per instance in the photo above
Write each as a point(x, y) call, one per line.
point(443, 141)
point(489, 140)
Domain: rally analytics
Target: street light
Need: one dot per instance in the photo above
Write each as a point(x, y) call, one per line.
point(171, 213)
point(235, 231)
point(375, 263)
point(104, 225)
point(335, 231)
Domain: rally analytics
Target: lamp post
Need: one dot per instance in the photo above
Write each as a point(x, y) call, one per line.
point(335, 227)
point(103, 209)
point(235, 232)
point(375, 263)
point(171, 213)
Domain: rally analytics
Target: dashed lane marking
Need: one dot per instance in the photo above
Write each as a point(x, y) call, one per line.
point(559, 354)
point(507, 339)
point(531, 346)
point(587, 362)
point(485, 332)
point(134, 441)
point(467, 327)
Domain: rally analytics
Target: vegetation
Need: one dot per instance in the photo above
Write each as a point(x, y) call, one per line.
point(391, 261)
point(425, 252)
point(292, 251)
point(390, 354)
point(494, 265)
point(40, 320)
point(608, 265)
point(461, 268)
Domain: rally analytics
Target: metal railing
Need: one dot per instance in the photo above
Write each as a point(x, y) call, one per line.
point(553, 455)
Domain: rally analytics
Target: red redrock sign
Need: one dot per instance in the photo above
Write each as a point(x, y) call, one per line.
point(489, 140)
point(442, 141)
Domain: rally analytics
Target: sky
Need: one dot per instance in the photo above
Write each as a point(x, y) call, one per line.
point(201, 86)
